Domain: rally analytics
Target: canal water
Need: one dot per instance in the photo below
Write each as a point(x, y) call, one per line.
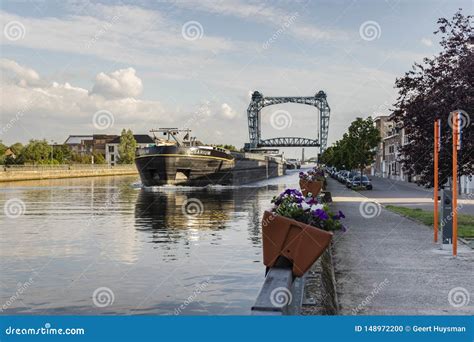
point(106, 246)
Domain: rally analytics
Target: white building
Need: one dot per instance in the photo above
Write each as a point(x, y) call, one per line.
point(112, 148)
point(387, 162)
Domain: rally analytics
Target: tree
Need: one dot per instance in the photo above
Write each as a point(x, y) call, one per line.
point(16, 148)
point(81, 158)
point(327, 157)
point(62, 153)
point(432, 90)
point(228, 147)
point(3, 148)
point(338, 155)
point(127, 147)
point(362, 139)
point(36, 152)
point(356, 149)
point(98, 158)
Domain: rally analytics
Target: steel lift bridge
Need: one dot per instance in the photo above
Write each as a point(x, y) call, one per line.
point(259, 101)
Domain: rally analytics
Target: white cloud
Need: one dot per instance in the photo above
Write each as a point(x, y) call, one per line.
point(426, 42)
point(227, 112)
point(266, 13)
point(120, 83)
point(22, 74)
point(125, 34)
point(55, 109)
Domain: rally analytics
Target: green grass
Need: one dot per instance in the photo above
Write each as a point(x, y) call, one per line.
point(465, 222)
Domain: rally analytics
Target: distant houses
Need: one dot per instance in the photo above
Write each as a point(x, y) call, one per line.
point(106, 145)
point(81, 144)
point(387, 161)
point(112, 147)
point(9, 153)
point(388, 164)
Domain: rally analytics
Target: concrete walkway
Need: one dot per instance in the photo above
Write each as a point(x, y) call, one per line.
point(388, 265)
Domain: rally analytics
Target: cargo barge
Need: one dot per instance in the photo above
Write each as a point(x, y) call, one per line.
point(187, 161)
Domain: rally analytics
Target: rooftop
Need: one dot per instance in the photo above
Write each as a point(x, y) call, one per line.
point(139, 138)
point(77, 139)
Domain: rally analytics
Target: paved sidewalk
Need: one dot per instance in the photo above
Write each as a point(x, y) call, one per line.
point(388, 265)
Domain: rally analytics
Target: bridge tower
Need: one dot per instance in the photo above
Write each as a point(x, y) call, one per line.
point(258, 102)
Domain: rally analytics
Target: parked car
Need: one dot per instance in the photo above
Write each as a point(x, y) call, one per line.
point(345, 176)
point(350, 176)
point(341, 175)
point(356, 181)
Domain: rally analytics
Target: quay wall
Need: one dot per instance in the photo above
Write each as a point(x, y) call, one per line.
point(22, 173)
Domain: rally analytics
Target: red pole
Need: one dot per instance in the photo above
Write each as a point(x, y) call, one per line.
point(455, 183)
point(435, 195)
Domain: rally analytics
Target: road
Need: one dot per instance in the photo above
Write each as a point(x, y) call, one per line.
point(388, 191)
point(386, 264)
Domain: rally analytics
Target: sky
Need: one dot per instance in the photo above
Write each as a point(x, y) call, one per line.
point(83, 67)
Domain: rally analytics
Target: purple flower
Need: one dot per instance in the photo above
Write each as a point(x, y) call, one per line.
point(312, 175)
point(339, 216)
point(292, 192)
point(321, 214)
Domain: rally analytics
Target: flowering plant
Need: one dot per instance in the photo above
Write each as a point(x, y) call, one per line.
point(313, 175)
point(292, 204)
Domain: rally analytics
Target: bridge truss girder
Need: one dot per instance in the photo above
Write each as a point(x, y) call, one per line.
point(289, 142)
point(258, 102)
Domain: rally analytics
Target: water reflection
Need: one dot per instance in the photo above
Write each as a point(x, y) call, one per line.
point(174, 211)
point(80, 234)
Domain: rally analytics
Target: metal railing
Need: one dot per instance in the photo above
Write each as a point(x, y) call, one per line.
point(281, 293)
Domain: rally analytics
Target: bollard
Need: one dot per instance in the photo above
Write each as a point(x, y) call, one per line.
point(446, 217)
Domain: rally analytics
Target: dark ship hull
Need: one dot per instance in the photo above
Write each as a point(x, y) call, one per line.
point(203, 165)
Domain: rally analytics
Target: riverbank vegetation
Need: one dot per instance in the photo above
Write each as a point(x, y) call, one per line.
point(356, 149)
point(40, 152)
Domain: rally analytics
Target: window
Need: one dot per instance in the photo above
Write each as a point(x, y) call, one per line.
point(111, 148)
point(112, 157)
point(391, 149)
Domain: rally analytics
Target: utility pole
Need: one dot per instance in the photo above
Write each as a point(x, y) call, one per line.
point(435, 194)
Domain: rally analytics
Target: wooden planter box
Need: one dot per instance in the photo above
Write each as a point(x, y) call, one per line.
point(313, 187)
point(300, 243)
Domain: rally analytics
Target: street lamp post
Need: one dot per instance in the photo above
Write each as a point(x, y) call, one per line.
point(52, 151)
